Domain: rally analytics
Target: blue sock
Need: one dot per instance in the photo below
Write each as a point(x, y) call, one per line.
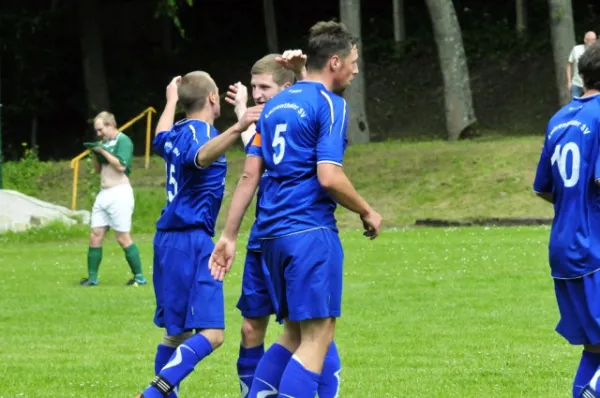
point(182, 362)
point(298, 382)
point(163, 354)
point(269, 370)
point(587, 368)
point(329, 383)
point(246, 366)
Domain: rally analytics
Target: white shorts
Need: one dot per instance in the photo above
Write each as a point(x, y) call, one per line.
point(113, 208)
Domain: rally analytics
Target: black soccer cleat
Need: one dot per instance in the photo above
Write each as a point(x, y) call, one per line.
point(88, 282)
point(136, 282)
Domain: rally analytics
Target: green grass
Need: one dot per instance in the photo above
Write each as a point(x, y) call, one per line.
point(426, 312)
point(405, 181)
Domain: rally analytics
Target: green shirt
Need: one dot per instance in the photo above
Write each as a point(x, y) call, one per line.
point(122, 148)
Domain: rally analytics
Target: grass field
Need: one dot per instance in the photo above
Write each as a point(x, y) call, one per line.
point(463, 312)
point(427, 312)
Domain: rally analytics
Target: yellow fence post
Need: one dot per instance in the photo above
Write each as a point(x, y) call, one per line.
point(75, 178)
point(148, 136)
point(75, 161)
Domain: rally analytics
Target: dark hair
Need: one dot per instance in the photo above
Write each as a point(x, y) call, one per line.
point(589, 67)
point(326, 39)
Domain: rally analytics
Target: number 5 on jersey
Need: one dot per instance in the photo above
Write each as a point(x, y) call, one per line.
point(279, 143)
point(172, 183)
point(560, 157)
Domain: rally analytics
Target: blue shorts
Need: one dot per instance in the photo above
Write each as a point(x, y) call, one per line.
point(579, 305)
point(187, 296)
point(255, 301)
point(305, 274)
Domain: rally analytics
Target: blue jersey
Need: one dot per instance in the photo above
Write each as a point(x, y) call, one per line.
point(299, 128)
point(253, 241)
point(568, 168)
point(194, 194)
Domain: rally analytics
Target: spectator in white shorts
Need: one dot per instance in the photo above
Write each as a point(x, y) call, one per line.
point(114, 204)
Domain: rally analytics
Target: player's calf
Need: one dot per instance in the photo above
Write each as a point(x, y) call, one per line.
point(254, 331)
point(183, 361)
point(303, 372)
point(251, 351)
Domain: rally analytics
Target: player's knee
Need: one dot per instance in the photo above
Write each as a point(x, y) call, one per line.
point(253, 331)
point(216, 337)
point(96, 237)
point(595, 348)
point(124, 239)
point(290, 337)
point(321, 330)
point(177, 340)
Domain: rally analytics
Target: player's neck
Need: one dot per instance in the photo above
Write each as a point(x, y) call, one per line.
point(589, 93)
point(319, 77)
point(205, 115)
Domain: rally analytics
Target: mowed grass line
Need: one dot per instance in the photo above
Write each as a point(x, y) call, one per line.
point(447, 312)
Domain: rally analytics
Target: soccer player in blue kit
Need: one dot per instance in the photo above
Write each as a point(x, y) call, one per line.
point(269, 75)
point(189, 302)
point(302, 139)
point(567, 176)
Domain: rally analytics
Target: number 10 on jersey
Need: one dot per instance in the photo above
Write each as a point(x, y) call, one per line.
point(560, 158)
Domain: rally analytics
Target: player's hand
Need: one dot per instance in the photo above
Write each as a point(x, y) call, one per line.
point(221, 258)
point(251, 115)
point(172, 89)
point(294, 60)
point(372, 223)
point(237, 95)
point(97, 149)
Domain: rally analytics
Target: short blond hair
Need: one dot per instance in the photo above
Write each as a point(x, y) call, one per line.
point(194, 90)
point(108, 119)
point(267, 64)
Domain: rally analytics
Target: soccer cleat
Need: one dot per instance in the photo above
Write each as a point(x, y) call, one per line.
point(88, 282)
point(587, 392)
point(136, 282)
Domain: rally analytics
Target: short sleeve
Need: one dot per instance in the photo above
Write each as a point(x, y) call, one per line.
point(158, 143)
point(253, 148)
point(124, 152)
point(199, 135)
point(572, 55)
point(543, 175)
point(332, 125)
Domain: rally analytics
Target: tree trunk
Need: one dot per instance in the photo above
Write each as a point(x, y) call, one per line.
point(521, 14)
point(563, 40)
point(458, 99)
point(270, 26)
point(94, 72)
point(399, 26)
point(358, 126)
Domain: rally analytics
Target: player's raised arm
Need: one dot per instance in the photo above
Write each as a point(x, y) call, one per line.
point(237, 95)
point(217, 146)
point(294, 60)
point(167, 118)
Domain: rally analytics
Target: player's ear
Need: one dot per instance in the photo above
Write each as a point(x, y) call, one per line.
point(335, 62)
point(286, 85)
point(213, 98)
